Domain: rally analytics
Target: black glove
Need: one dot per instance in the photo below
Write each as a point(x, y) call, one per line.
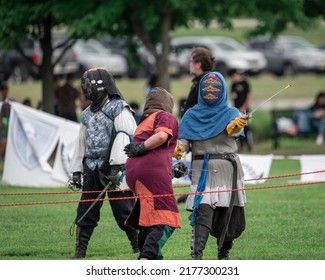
point(179, 170)
point(76, 180)
point(135, 150)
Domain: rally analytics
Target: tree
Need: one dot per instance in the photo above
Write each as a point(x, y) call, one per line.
point(39, 18)
point(151, 21)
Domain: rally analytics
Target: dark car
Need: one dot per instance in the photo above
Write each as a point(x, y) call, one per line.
point(12, 66)
point(16, 68)
point(141, 63)
point(92, 53)
point(288, 55)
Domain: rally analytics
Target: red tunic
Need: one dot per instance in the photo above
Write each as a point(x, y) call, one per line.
point(151, 174)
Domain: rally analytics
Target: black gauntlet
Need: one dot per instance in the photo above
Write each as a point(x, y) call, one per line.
point(76, 180)
point(135, 150)
point(179, 170)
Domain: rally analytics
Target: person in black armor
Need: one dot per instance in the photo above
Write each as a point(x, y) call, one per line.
point(107, 125)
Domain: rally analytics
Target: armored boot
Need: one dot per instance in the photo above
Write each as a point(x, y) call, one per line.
point(224, 251)
point(200, 235)
point(132, 235)
point(83, 235)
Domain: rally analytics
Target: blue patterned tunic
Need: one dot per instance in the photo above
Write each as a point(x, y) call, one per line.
point(99, 127)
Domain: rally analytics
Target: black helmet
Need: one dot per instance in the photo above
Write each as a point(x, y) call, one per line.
point(96, 81)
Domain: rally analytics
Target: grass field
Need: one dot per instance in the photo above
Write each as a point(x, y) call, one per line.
point(283, 223)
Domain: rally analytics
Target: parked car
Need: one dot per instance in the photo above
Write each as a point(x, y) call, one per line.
point(288, 55)
point(92, 53)
point(146, 63)
point(228, 52)
point(12, 66)
point(15, 67)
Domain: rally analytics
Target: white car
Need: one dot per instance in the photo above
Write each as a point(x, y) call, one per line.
point(91, 53)
point(228, 52)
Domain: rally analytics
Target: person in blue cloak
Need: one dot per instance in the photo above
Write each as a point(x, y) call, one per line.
point(211, 129)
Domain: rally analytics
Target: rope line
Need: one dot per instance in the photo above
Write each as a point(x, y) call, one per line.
point(175, 186)
point(162, 195)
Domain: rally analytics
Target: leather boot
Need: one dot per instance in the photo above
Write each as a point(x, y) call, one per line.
point(132, 235)
point(82, 238)
point(200, 235)
point(224, 251)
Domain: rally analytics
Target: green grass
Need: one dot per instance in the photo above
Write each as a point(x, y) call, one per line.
point(282, 223)
point(303, 87)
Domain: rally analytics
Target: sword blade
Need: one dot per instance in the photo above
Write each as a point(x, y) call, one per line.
point(267, 100)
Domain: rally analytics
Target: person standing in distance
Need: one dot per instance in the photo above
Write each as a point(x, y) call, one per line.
point(67, 96)
point(4, 117)
point(201, 62)
point(241, 97)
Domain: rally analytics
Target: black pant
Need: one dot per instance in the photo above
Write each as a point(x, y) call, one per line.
point(152, 239)
point(120, 208)
point(247, 140)
point(214, 219)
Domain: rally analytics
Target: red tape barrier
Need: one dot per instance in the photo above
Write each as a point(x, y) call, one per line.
point(162, 195)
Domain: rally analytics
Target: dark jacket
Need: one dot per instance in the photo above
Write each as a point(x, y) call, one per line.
point(193, 94)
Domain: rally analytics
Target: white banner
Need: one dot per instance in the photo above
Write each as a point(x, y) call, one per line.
point(312, 163)
point(32, 139)
point(255, 167)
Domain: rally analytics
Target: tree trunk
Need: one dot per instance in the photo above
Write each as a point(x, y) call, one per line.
point(162, 59)
point(46, 69)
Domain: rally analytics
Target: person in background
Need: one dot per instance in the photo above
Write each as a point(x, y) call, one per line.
point(4, 117)
point(153, 81)
point(67, 96)
point(241, 97)
point(98, 162)
point(149, 173)
point(201, 62)
point(211, 128)
point(84, 102)
point(27, 102)
point(135, 107)
point(317, 116)
point(56, 85)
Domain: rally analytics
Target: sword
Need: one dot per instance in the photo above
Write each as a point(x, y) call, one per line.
point(267, 100)
point(107, 186)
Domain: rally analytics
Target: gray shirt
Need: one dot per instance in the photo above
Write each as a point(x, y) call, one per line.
point(220, 172)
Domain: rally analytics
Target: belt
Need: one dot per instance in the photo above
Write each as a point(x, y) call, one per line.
point(96, 158)
point(215, 156)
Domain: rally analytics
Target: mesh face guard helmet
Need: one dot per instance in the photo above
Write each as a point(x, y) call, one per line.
point(95, 81)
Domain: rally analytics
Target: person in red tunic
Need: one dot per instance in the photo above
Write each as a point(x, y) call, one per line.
point(149, 174)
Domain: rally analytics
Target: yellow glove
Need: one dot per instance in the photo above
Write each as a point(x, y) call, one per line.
point(179, 151)
point(236, 125)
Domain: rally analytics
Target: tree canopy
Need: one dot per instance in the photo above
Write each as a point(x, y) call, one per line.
point(149, 21)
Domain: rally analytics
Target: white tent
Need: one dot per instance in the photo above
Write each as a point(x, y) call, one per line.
point(33, 137)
